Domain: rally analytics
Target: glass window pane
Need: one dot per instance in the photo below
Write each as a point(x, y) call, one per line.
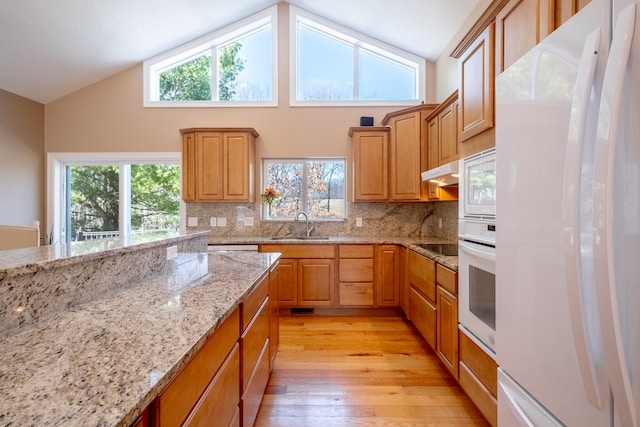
point(382, 79)
point(326, 189)
point(155, 195)
point(190, 81)
point(286, 178)
point(245, 68)
point(93, 202)
point(325, 67)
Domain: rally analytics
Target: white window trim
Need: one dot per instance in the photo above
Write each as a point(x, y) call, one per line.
point(56, 182)
point(354, 37)
point(196, 47)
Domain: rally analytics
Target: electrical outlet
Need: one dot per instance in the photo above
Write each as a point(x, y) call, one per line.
point(358, 222)
point(192, 221)
point(439, 222)
point(172, 252)
point(213, 222)
point(222, 221)
point(248, 221)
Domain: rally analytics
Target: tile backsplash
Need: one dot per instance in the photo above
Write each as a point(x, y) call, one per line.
point(378, 220)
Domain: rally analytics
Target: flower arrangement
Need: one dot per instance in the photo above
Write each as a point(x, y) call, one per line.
point(270, 194)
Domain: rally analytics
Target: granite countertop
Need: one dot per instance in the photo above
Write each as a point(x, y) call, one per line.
point(103, 362)
point(451, 262)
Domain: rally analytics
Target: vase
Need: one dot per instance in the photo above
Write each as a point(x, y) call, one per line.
point(269, 210)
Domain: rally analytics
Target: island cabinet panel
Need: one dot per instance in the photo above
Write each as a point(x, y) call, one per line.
point(274, 313)
point(219, 401)
point(209, 369)
point(254, 350)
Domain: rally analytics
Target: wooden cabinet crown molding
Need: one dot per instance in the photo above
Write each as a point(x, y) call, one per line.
point(483, 22)
point(368, 129)
point(413, 109)
point(442, 106)
point(251, 131)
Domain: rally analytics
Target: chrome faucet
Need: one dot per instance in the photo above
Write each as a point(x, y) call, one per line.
point(306, 218)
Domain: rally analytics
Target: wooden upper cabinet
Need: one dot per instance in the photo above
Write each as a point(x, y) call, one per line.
point(476, 86)
point(370, 163)
point(520, 25)
point(218, 164)
point(407, 152)
point(448, 141)
point(565, 9)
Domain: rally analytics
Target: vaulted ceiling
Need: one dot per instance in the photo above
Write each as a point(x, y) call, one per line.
point(50, 48)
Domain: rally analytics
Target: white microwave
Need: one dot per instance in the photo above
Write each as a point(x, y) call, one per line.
point(477, 186)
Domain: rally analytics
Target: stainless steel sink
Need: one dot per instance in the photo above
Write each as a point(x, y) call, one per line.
point(299, 238)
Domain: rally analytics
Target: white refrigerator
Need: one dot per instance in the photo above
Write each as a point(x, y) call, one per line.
point(568, 225)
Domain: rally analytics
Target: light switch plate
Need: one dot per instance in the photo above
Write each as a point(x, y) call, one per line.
point(222, 221)
point(248, 221)
point(213, 222)
point(172, 252)
point(192, 221)
point(358, 222)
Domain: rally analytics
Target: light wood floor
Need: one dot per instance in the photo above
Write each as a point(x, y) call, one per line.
point(360, 371)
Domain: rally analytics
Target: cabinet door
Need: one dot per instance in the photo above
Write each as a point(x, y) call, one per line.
point(189, 166)
point(520, 25)
point(404, 279)
point(209, 166)
point(565, 9)
point(422, 275)
point(371, 165)
point(405, 157)
point(476, 93)
point(447, 330)
point(315, 282)
point(287, 282)
point(433, 138)
point(387, 283)
point(448, 135)
point(237, 161)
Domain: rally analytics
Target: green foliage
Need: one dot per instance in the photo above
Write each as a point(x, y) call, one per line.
point(190, 81)
point(230, 65)
point(95, 198)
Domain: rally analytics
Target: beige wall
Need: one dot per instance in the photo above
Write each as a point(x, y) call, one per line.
point(21, 160)
point(446, 68)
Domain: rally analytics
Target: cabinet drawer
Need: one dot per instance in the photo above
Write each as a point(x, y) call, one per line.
point(180, 396)
point(447, 279)
point(221, 398)
point(301, 251)
point(253, 302)
point(479, 394)
point(355, 251)
point(253, 340)
point(356, 294)
point(252, 396)
point(423, 316)
point(355, 270)
point(422, 274)
point(479, 362)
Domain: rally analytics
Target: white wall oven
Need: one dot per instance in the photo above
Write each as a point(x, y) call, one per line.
point(477, 249)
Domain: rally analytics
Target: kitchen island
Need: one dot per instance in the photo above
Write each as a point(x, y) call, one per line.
point(102, 360)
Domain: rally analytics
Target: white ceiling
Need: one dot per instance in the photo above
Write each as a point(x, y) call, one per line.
point(50, 48)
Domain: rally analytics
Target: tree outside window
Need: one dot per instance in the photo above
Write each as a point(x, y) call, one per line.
point(314, 186)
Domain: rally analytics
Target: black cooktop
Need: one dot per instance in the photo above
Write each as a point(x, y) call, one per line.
point(447, 249)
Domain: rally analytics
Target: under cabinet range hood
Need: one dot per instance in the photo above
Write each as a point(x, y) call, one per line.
point(444, 175)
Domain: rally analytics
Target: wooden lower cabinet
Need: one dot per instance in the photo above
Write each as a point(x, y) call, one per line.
point(356, 274)
point(479, 378)
point(387, 283)
point(305, 275)
point(274, 313)
point(447, 330)
point(423, 315)
point(253, 391)
point(204, 373)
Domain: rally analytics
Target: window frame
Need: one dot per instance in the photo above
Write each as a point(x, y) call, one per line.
point(57, 185)
point(359, 41)
point(152, 67)
point(264, 180)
